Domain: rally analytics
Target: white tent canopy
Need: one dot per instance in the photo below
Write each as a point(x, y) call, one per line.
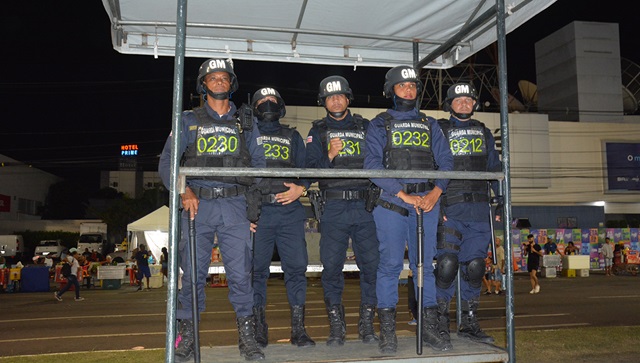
point(377, 33)
point(151, 230)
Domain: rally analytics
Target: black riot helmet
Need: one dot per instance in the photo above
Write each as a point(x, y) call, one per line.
point(216, 65)
point(461, 89)
point(268, 111)
point(400, 74)
point(333, 85)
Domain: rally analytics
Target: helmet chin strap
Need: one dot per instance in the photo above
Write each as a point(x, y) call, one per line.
point(337, 115)
point(402, 104)
point(462, 116)
point(218, 95)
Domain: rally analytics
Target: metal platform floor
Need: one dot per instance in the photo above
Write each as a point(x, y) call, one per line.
point(354, 351)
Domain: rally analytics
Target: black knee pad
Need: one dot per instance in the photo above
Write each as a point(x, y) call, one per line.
point(475, 272)
point(446, 270)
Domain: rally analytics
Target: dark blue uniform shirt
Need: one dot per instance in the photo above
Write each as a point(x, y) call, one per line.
point(377, 141)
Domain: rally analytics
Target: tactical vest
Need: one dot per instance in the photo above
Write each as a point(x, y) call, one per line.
point(351, 156)
point(408, 144)
point(470, 153)
point(218, 144)
point(278, 151)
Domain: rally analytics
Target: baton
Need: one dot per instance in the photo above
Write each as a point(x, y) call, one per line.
point(420, 231)
point(493, 236)
point(194, 293)
point(253, 253)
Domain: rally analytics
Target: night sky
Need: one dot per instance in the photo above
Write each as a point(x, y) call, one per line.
point(68, 100)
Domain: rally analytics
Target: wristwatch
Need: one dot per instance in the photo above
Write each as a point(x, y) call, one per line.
point(304, 191)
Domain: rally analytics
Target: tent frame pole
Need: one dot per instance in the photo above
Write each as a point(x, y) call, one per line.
point(174, 200)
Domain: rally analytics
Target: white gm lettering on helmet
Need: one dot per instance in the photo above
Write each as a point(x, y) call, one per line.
point(217, 63)
point(268, 91)
point(333, 86)
point(462, 88)
point(408, 73)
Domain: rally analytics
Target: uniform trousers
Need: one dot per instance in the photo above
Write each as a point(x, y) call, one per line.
point(226, 219)
point(395, 232)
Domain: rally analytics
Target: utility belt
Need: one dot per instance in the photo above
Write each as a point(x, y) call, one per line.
point(417, 187)
point(215, 193)
point(393, 207)
point(465, 198)
point(344, 194)
point(270, 199)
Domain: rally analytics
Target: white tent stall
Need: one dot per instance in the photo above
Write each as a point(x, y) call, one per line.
point(151, 230)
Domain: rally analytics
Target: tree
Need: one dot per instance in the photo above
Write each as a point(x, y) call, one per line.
point(118, 212)
point(65, 200)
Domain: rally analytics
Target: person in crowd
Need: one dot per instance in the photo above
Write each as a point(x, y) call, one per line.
point(550, 247)
point(412, 303)
point(72, 279)
point(533, 251)
point(217, 135)
point(94, 257)
point(499, 269)
point(465, 231)
point(607, 253)
point(142, 261)
point(571, 249)
point(487, 279)
point(108, 261)
point(164, 261)
point(282, 218)
point(338, 142)
point(403, 138)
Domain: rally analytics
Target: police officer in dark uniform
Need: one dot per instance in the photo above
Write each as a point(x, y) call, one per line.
point(214, 136)
point(337, 142)
point(402, 138)
point(282, 217)
point(464, 237)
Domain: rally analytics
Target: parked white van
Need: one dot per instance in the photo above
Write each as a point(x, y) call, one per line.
point(11, 245)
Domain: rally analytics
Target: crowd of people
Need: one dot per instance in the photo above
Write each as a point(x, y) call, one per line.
point(381, 217)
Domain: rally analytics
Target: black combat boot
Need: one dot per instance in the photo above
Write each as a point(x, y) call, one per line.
point(388, 340)
point(299, 336)
point(337, 326)
point(262, 329)
point(366, 332)
point(469, 326)
point(249, 349)
point(443, 320)
point(430, 332)
point(184, 341)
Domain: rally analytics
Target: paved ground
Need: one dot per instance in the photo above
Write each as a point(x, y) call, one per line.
point(35, 323)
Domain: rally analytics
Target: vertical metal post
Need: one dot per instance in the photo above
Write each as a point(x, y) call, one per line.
point(195, 312)
point(416, 60)
point(174, 201)
point(458, 299)
point(420, 273)
point(420, 232)
point(504, 128)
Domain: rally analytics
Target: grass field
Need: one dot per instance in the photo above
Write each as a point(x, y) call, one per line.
point(593, 345)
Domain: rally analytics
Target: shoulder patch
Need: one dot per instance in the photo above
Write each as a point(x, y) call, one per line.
point(309, 139)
